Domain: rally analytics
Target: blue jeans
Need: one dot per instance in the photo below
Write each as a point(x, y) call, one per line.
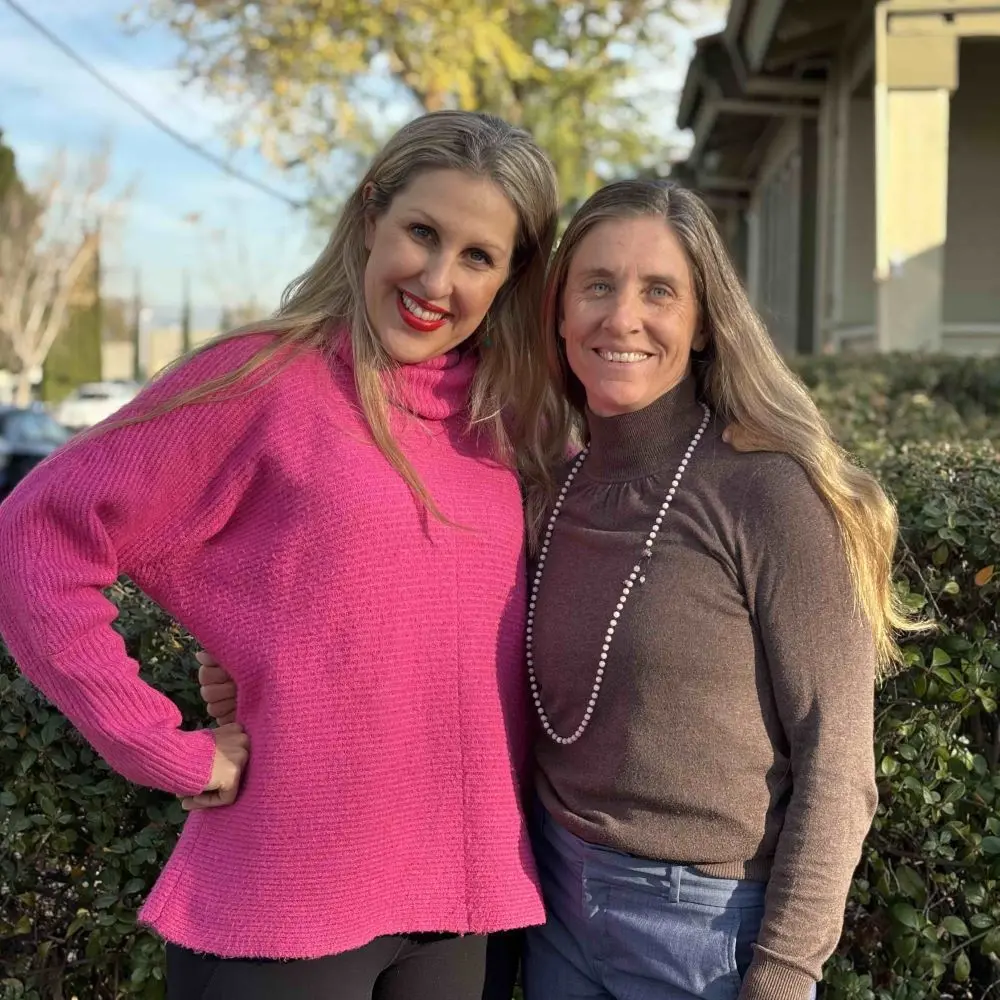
point(624, 928)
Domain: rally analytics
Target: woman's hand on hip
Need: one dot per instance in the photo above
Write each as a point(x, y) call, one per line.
point(232, 749)
point(218, 690)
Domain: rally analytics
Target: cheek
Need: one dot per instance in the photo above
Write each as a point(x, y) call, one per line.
point(691, 321)
point(479, 294)
point(380, 274)
point(393, 259)
point(371, 278)
point(373, 265)
point(573, 325)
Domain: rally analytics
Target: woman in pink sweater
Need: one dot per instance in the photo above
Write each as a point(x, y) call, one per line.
point(330, 505)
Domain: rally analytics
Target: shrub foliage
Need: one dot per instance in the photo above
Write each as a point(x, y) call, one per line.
point(79, 847)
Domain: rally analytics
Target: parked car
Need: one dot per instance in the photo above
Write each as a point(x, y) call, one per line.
point(92, 402)
point(26, 437)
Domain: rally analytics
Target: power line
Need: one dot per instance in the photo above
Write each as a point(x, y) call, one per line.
point(150, 116)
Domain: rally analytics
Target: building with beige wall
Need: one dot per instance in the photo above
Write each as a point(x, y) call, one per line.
point(162, 346)
point(851, 151)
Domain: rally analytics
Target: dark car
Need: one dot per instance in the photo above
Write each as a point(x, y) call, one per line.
point(26, 437)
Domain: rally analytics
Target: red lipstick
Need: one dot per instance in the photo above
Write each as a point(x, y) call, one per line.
point(419, 323)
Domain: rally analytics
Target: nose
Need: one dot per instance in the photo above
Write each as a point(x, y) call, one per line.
point(437, 278)
point(624, 314)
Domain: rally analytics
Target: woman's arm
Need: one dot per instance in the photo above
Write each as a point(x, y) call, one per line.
point(108, 504)
point(821, 660)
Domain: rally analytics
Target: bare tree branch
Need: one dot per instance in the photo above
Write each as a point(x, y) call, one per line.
point(49, 243)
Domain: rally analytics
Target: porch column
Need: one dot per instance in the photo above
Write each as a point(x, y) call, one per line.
point(915, 75)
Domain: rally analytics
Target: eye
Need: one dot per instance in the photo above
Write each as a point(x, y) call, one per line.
point(481, 257)
point(600, 287)
point(421, 232)
point(660, 292)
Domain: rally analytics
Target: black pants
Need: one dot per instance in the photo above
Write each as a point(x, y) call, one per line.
point(411, 967)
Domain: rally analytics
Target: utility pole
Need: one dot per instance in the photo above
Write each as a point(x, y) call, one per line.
point(186, 315)
point(138, 334)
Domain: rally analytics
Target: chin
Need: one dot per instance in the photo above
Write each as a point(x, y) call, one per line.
point(410, 348)
point(613, 406)
point(622, 397)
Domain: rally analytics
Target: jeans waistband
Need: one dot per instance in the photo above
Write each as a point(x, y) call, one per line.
point(674, 881)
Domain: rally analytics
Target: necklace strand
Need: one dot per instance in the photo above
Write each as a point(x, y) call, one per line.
point(637, 576)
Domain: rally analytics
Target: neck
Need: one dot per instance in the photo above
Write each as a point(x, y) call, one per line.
point(637, 444)
point(435, 389)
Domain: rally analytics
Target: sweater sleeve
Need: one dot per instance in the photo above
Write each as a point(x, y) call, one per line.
point(821, 658)
point(102, 506)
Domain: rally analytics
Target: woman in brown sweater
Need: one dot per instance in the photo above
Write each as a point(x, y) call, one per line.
point(705, 631)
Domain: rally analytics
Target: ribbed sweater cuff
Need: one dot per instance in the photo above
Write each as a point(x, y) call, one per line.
point(130, 724)
point(767, 979)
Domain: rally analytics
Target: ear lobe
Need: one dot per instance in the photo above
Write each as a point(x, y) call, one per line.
point(369, 232)
point(700, 341)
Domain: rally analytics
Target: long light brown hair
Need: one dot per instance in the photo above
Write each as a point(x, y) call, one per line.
point(511, 398)
point(744, 379)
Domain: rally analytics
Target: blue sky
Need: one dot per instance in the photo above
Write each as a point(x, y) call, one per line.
point(244, 244)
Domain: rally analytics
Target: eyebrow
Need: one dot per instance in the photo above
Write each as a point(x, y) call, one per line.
point(603, 272)
point(499, 250)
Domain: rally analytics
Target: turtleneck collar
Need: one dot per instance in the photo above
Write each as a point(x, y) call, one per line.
point(638, 444)
point(435, 389)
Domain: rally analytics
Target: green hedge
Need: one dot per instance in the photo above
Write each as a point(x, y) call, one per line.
point(875, 403)
point(79, 847)
point(924, 915)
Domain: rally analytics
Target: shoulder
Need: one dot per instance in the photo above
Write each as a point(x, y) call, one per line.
point(762, 480)
point(246, 371)
point(774, 479)
point(257, 356)
point(781, 508)
point(765, 492)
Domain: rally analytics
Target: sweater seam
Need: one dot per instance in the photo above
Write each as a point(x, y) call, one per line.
point(460, 674)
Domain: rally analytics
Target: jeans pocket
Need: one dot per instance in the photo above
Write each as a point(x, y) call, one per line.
point(686, 946)
point(751, 918)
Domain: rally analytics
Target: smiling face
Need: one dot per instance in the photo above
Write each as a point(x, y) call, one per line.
point(630, 314)
point(438, 256)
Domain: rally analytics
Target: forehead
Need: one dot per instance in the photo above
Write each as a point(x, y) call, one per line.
point(647, 244)
point(474, 209)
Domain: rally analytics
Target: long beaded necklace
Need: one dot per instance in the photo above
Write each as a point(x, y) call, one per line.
point(636, 576)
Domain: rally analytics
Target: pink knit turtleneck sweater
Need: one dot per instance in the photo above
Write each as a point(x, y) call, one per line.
point(377, 650)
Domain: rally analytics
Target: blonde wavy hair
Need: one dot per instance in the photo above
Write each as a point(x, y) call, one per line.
point(511, 397)
point(743, 378)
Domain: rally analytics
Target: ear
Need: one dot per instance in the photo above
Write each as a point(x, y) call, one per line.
point(700, 341)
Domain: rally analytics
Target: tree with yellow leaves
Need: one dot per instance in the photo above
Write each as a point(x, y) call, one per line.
point(318, 76)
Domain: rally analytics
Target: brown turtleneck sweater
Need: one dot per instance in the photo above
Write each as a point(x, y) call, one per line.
point(733, 731)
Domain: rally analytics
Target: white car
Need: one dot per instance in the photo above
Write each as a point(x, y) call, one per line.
point(92, 402)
